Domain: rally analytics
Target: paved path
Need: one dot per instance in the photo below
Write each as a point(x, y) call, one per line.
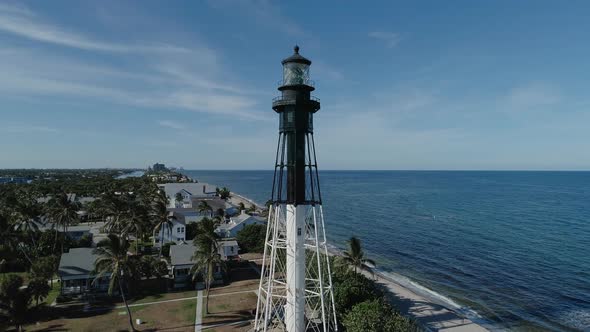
point(156, 302)
point(199, 313)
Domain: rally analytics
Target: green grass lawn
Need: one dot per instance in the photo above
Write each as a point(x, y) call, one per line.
point(24, 275)
point(53, 293)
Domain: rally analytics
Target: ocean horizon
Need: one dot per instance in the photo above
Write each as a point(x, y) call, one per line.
point(508, 249)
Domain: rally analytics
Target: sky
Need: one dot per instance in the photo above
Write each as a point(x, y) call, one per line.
point(425, 85)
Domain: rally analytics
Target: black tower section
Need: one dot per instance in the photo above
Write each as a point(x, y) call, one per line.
point(296, 177)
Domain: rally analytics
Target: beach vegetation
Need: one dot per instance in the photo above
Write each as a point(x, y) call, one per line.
point(355, 256)
point(251, 238)
point(375, 315)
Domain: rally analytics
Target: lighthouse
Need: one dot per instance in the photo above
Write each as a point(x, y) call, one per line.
point(295, 291)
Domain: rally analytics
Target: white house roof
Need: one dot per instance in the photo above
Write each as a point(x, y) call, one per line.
point(195, 189)
point(181, 254)
point(235, 222)
point(78, 261)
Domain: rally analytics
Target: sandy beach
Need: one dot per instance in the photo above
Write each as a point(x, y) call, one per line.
point(432, 316)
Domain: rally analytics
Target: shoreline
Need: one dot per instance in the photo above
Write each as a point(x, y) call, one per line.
point(424, 309)
point(429, 314)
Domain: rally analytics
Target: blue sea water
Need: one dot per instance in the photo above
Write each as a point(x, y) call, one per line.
point(509, 249)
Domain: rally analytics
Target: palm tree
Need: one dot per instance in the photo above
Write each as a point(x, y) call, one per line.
point(206, 255)
point(163, 219)
point(241, 207)
point(355, 256)
point(113, 259)
point(179, 198)
point(204, 207)
point(223, 193)
point(63, 212)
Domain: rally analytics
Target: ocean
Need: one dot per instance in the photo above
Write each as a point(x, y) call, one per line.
point(511, 250)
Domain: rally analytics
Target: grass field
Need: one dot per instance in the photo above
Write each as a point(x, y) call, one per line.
point(230, 304)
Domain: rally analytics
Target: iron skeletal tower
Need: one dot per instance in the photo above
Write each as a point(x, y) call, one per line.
point(295, 291)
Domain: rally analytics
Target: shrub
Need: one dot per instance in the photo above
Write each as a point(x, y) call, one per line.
point(251, 238)
point(376, 315)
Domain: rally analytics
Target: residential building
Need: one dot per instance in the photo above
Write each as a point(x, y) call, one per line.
point(186, 215)
point(228, 249)
point(188, 191)
point(236, 224)
point(176, 233)
point(76, 273)
point(181, 262)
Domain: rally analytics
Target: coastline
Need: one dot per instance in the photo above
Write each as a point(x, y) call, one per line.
point(429, 314)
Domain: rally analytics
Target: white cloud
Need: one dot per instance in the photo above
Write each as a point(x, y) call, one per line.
point(391, 39)
point(532, 95)
point(262, 12)
point(183, 78)
point(21, 128)
point(22, 22)
point(171, 124)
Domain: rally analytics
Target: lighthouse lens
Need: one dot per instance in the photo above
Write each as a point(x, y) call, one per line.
point(295, 73)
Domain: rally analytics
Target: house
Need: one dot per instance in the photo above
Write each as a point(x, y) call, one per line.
point(186, 215)
point(181, 264)
point(236, 224)
point(76, 273)
point(228, 249)
point(187, 191)
point(176, 233)
point(75, 232)
point(215, 203)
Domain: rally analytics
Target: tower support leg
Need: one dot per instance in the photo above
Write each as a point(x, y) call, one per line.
point(295, 304)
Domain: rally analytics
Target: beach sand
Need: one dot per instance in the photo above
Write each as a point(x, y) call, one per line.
point(433, 317)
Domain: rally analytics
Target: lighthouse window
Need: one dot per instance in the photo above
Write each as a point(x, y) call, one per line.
point(290, 117)
point(299, 231)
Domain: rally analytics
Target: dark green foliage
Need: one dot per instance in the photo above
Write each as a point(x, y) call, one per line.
point(166, 249)
point(191, 230)
point(224, 193)
point(44, 267)
point(84, 242)
point(377, 316)
point(38, 288)
point(251, 238)
point(352, 288)
point(14, 301)
point(145, 266)
point(159, 269)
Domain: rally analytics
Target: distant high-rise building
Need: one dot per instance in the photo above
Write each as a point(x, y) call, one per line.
point(159, 167)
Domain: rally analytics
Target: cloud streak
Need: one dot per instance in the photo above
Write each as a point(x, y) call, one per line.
point(171, 124)
point(21, 128)
point(164, 76)
point(22, 22)
point(390, 39)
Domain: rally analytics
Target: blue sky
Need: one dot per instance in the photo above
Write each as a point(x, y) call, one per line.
point(403, 85)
